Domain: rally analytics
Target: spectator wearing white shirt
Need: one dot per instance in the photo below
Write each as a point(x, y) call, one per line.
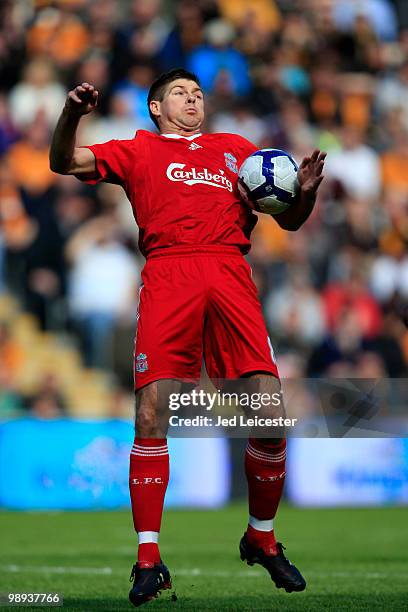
point(356, 165)
point(102, 286)
point(38, 91)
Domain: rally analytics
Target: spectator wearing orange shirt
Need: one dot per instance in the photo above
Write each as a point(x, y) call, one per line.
point(394, 164)
point(59, 34)
point(28, 159)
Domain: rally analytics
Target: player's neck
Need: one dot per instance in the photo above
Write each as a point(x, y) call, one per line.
point(179, 131)
point(176, 127)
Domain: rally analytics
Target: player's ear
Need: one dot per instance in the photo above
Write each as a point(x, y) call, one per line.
point(155, 108)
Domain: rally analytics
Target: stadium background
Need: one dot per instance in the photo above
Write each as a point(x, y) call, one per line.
point(291, 74)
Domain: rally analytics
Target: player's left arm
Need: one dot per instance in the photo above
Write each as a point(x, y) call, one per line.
point(309, 176)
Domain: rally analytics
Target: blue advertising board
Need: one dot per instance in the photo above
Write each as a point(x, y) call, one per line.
point(72, 464)
point(348, 472)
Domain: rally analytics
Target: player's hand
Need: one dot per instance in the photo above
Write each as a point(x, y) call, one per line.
point(82, 100)
point(310, 172)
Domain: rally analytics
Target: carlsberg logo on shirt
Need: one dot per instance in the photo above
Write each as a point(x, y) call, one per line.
point(193, 176)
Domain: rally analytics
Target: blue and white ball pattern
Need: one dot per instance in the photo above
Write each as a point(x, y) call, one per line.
point(267, 181)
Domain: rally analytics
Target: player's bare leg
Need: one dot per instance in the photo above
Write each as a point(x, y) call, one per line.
point(265, 471)
point(148, 479)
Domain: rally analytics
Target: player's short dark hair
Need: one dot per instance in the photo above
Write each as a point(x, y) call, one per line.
point(158, 87)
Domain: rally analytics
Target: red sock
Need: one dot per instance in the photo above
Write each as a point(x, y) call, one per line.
point(265, 472)
point(148, 479)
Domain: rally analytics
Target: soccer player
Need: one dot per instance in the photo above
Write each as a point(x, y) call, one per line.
point(197, 298)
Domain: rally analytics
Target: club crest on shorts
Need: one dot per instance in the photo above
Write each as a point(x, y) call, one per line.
point(231, 162)
point(141, 363)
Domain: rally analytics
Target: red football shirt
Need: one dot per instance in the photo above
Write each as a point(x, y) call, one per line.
point(183, 191)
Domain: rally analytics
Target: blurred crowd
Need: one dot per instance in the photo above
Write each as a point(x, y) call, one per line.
point(289, 74)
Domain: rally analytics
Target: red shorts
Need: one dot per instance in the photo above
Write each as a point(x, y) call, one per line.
point(197, 302)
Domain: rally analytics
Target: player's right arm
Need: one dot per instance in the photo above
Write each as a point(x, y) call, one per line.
point(65, 157)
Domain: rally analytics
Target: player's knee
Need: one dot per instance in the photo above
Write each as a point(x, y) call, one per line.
point(266, 395)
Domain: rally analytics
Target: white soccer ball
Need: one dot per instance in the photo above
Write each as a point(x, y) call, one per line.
point(268, 181)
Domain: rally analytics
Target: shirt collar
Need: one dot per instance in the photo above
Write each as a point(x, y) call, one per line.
point(178, 136)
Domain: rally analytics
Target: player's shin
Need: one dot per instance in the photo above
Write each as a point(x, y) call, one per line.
point(265, 472)
point(148, 479)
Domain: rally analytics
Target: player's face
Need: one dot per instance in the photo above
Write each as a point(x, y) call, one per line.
point(182, 106)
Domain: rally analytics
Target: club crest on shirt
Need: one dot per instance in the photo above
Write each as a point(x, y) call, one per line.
point(141, 363)
point(231, 162)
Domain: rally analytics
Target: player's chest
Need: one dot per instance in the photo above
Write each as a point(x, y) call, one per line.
point(194, 164)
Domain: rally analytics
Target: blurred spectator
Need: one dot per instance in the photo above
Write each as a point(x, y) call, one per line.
point(350, 304)
point(359, 226)
point(294, 312)
point(102, 14)
point(138, 38)
point(120, 123)
point(341, 347)
point(262, 14)
point(393, 237)
point(392, 90)
point(380, 13)
point(58, 33)
point(74, 205)
point(102, 286)
point(33, 245)
point(184, 37)
point(132, 92)
point(392, 342)
point(292, 130)
point(370, 365)
point(389, 276)
point(17, 231)
point(356, 166)
point(255, 23)
point(394, 164)
point(240, 120)
point(28, 160)
point(47, 402)
point(12, 43)
point(355, 100)
point(37, 92)
point(221, 68)
point(289, 60)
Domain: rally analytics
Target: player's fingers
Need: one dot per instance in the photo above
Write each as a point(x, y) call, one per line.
point(80, 91)
point(85, 87)
point(314, 155)
point(322, 156)
point(305, 161)
point(94, 100)
point(86, 95)
point(73, 96)
point(319, 168)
